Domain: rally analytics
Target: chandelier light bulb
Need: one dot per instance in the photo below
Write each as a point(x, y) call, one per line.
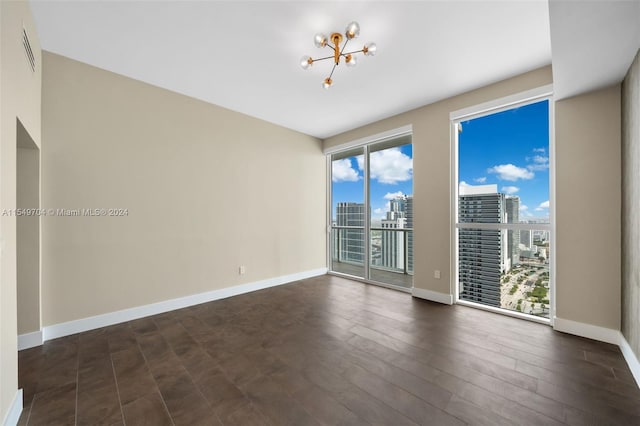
point(351, 61)
point(370, 49)
point(306, 62)
point(326, 84)
point(320, 40)
point(353, 30)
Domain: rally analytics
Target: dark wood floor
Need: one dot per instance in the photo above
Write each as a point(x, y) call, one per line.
point(327, 351)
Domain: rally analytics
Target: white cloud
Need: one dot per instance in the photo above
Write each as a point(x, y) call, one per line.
point(542, 206)
point(524, 210)
point(379, 211)
point(540, 162)
point(393, 195)
point(463, 184)
point(482, 179)
point(510, 189)
point(360, 160)
point(542, 150)
point(510, 172)
point(390, 166)
point(343, 171)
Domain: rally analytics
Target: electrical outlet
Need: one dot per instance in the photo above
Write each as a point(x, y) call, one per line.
point(242, 270)
point(436, 274)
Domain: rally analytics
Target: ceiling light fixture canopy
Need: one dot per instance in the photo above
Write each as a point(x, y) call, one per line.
point(333, 42)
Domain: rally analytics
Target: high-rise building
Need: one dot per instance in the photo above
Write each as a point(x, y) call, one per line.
point(350, 241)
point(409, 234)
point(481, 252)
point(526, 237)
point(397, 207)
point(512, 215)
point(393, 242)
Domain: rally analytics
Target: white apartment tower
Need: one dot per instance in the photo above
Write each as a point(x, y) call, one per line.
point(393, 242)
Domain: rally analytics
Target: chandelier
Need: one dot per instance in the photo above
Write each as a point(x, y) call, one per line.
point(333, 42)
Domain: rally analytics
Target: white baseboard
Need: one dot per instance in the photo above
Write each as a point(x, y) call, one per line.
point(104, 320)
point(15, 410)
point(433, 296)
point(602, 334)
point(607, 335)
point(631, 358)
point(29, 340)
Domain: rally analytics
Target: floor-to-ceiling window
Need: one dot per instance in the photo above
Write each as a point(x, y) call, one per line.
point(371, 203)
point(502, 203)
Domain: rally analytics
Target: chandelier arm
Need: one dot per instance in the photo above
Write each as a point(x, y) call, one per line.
point(322, 59)
point(344, 45)
point(352, 52)
point(332, 70)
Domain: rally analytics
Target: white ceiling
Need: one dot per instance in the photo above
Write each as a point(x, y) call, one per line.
point(593, 43)
point(245, 55)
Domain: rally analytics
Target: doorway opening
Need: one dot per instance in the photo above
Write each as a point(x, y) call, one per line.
point(27, 233)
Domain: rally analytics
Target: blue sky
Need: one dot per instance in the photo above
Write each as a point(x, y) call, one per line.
point(510, 149)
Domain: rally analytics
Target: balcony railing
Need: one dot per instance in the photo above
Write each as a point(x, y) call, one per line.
point(391, 253)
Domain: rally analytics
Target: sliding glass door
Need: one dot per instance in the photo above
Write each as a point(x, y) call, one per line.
point(372, 212)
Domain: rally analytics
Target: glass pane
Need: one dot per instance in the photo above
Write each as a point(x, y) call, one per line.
point(505, 154)
point(348, 213)
point(480, 265)
point(491, 273)
point(391, 197)
point(525, 287)
point(389, 264)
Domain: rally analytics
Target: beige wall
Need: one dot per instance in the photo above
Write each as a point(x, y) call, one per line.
point(19, 99)
point(206, 189)
point(631, 206)
point(28, 234)
point(588, 208)
point(431, 173)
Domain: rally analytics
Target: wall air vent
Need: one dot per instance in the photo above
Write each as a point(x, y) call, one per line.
point(27, 50)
